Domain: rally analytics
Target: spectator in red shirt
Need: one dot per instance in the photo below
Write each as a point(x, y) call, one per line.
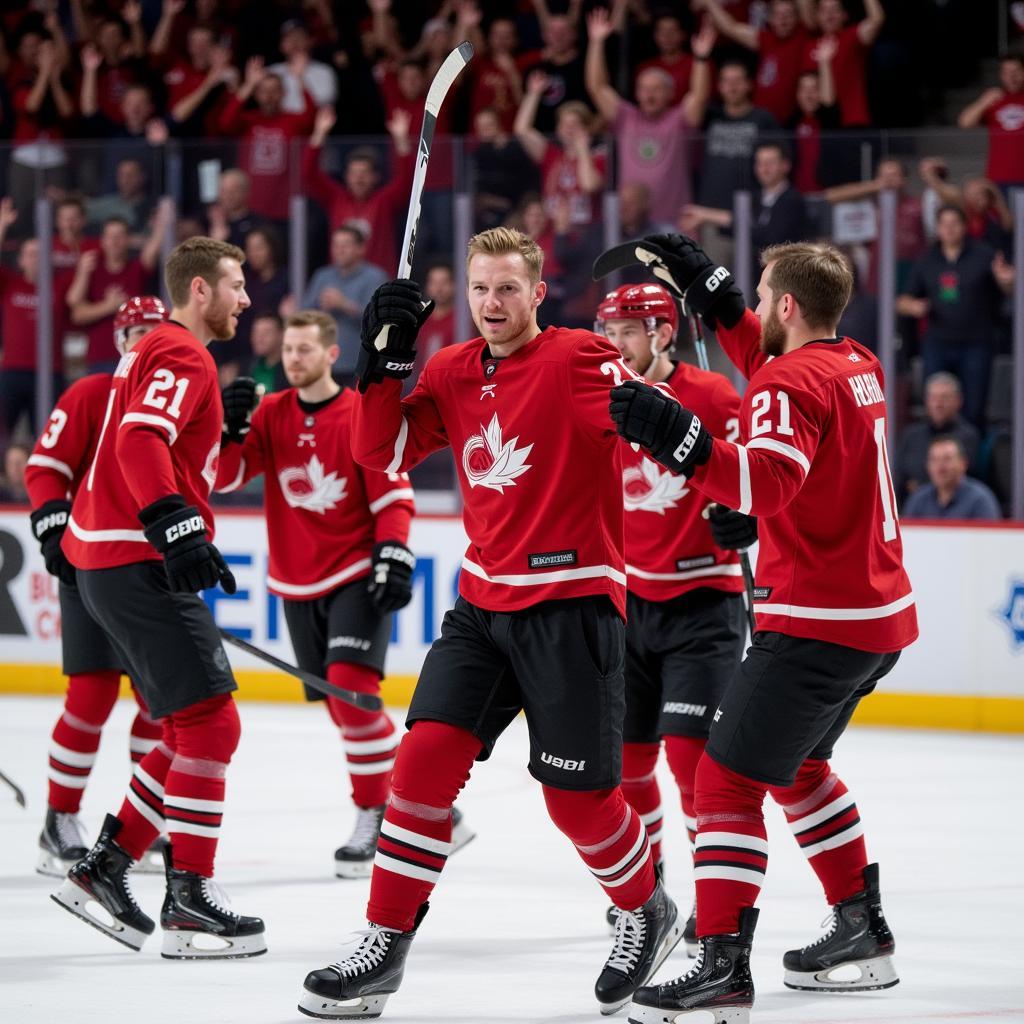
point(820, 152)
point(1001, 110)
point(19, 305)
point(780, 48)
point(268, 134)
point(989, 218)
point(119, 55)
point(105, 279)
point(69, 241)
point(439, 330)
point(570, 170)
point(377, 210)
point(496, 79)
point(850, 62)
point(669, 37)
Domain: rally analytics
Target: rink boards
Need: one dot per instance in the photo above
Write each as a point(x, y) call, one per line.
point(966, 671)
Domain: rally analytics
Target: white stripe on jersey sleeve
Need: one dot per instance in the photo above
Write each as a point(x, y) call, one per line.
point(783, 449)
point(746, 497)
point(99, 536)
point(51, 463)
point(400, 442)
point(236, 483)
point(391, 496)
point(156, 421)
point(797, 611)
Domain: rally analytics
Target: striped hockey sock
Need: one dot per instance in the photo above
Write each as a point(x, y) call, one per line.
point(145, 732)
point(610, 838)
point(825, 822)
point(683, 754)
point(369, 737)
point(193, 807)
point(76, 737)
point(731, 854)
point(640, 788)
point(142, 813)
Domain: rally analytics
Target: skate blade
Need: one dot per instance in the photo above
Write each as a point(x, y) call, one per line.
point(462, 835)
point(74, 899)
point(189, 945)
point(720, 1015)
point(52, 866)
point(672, 939)
point(353, 868)
point(363, 1007)
point(877, 973)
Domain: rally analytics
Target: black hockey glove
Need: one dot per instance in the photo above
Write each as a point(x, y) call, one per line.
point(239, 399)
point(686, 268)
point(49, 522)
point(390, 583)
point(731, 531)
point(178, 532)
point(391, 320)
point(673, 435)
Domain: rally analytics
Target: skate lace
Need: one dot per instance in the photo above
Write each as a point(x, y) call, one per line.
point(374, 943)
point(698, 963)
point(69, 830)
point(217, 897)
point(630, 932)
point(831, 922)
point(367, 826)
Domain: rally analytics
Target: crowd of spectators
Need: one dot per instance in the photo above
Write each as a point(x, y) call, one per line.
point(232, 107)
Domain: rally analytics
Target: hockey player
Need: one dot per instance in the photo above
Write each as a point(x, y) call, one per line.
point(338, 551)
point(538, 625)
point(834, 609)
point(140, 535)
point(685, 620)
point(54, 472)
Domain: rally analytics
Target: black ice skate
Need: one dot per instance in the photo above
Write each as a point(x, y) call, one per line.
point(61, 843)
point(355, 858)
point(152, 861)
point(643, 938)
point(97, 891)
point(857, 938)
point(719, 983)
point(359, 985)
point(199, 926)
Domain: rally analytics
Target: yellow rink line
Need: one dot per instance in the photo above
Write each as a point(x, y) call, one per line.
point(906, 710)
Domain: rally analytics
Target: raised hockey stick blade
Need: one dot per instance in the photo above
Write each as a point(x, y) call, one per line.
point(618, 257)
point(18, 794)
point(366, 701)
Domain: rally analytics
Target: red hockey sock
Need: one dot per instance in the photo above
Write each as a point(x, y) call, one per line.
point(369, 737)
point(683, 754)
point(824, 819)
point(205, 736)
point(640, 788)
point(610, 837)
point(142, 813)
point(145, 732)
point(433, 763)
point(731, 852)
point(76, 736)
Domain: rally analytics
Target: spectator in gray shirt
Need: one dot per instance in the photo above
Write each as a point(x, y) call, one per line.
point(943, 400)
point(951, 494)
point(343, 288)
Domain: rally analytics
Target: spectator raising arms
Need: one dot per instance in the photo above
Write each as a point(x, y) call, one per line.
point(299, 73)
point(669, 36)
point(496, 77)
point(561, 64)
point(950, 493)
point(374, 208)
point(1001, 110)
point(653, 136)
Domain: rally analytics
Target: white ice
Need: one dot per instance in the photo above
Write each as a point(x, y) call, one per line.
point(516, 932)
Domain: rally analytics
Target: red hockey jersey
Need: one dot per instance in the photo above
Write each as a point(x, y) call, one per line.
point(813, 466)
point(160, 435)
point(324, 512)
point(65, 448)
point(669, 549)
point(537, 456)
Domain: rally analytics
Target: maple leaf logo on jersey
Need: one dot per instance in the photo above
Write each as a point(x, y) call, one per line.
point(309, 487)
point(645, 488)
point(488, 461)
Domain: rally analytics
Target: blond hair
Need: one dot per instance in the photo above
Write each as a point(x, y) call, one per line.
point(197, 257)
point(816, 274)
point(508, 242)
point(328, 327)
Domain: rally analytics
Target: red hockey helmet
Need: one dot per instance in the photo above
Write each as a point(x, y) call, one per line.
point(648, 302)
point(138, 311)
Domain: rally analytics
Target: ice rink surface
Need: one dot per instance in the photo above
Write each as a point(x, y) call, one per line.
point(516, 932)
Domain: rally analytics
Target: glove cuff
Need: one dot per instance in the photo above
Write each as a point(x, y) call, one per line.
point(393, 551)
point(50, 518)
point(177, 523)
point(715, 297)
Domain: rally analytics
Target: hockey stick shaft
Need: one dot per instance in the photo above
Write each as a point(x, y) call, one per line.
point(366, 701)
point(18, 794)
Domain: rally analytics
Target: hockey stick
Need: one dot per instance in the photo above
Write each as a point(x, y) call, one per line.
point(443, 80)
point(366, 701)
point(18, 794)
